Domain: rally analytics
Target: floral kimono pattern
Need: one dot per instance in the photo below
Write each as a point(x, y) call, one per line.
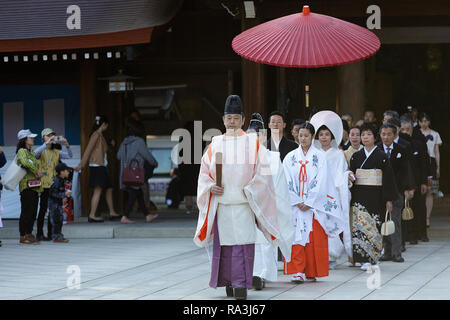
point(367, 240)
point(310, 182)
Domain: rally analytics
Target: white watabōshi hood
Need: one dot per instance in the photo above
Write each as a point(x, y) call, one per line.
point(333, 122)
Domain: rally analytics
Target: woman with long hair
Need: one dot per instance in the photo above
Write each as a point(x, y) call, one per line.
point(433, 142)
point(95, 157)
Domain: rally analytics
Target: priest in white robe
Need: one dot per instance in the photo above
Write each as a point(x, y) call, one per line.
point(230, 213)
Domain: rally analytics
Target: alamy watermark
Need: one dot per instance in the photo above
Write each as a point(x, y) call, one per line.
point(374, 20)
point(73, 22)
point(74, 279)
point(374, 280)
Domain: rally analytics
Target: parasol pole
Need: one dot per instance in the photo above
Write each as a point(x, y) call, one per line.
point(306, 12)
point(307, 110)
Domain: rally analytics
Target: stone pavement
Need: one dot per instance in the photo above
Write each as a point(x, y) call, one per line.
point(167, 225)
point(174, 268)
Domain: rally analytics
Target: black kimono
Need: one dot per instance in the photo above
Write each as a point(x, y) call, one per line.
point(368, 205)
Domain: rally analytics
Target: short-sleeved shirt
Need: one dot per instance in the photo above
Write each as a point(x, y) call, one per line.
point(433, 138)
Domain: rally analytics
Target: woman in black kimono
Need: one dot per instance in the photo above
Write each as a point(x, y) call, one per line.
point(372, 194)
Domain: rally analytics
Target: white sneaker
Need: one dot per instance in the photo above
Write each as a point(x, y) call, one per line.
point(332, 265)
point(366, 266)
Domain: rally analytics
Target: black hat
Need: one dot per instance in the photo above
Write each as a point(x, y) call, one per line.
point(61, 167)
point(233, 105)
point(256, 122)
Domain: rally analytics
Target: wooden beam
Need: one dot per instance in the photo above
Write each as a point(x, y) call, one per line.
point(410, 35)
point(356, 8)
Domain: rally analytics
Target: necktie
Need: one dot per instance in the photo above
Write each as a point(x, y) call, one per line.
point(388, 152)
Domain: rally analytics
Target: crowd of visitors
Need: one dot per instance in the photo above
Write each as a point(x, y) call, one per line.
point(42, 177)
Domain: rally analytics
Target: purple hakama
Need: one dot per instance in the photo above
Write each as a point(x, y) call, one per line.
point(231, 265)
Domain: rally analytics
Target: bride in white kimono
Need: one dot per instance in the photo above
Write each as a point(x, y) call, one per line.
point(329, 134)
point(315, 208)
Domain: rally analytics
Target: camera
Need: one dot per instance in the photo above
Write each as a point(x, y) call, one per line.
point(57, 144)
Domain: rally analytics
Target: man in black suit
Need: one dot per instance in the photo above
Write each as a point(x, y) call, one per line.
point(399, 161)
point(403, 140)
point(277, 141)
point(417, 228)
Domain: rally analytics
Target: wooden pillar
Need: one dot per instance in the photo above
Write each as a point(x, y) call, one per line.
point(88, 110)
point(351, 89)
point(282, 91)
point(252, 81)
point(120, 115)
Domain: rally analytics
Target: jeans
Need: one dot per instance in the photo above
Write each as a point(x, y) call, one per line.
point(43, 206)
point(57, 218)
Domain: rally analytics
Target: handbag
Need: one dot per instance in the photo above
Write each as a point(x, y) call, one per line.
point(133, 176)
point(13, 175)
point(388, 226)
point(34, 183)
point(407, 212)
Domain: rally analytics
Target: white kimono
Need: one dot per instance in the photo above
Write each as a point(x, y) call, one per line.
point(248, 201)
point(266, 255)
point(339, 168)
point(339, 172)
point(310, 182)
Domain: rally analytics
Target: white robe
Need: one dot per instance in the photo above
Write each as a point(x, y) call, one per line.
point(266, 255)
point(310, 182)
point(339, 171)
point(248, 200)
point(339, 168)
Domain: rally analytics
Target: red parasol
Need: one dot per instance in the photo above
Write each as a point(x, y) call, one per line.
point(306, 40)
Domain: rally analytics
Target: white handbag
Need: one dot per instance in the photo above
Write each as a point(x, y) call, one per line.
point(388, 226)
point(13, 175)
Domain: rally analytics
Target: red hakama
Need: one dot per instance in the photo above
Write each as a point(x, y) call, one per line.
point(312, 259)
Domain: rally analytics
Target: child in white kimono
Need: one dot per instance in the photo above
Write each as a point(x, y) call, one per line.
point(315, 210)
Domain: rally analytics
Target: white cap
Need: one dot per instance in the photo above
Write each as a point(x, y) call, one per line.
point(25, 134)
